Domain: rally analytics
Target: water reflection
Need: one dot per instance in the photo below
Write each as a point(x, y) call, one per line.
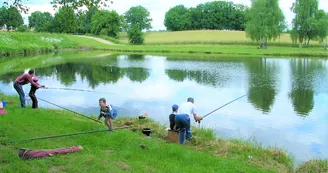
point(262, 83)
point(304, 73)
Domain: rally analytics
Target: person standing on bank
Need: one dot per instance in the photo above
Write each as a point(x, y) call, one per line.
point(23, 80)
point(187, 110)
point(32, 93)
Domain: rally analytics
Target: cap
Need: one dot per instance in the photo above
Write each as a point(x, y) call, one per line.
point(35, 79)
point(175, 107)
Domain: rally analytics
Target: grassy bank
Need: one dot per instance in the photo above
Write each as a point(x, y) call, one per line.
point(26, 43)
point(210, 37)
point(120, 151)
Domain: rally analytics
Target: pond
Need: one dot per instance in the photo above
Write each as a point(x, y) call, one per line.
point(286, 106)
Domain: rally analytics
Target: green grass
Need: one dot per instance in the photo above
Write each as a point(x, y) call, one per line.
point(120, 151)
point(11, 43)
point(210, 37)
point(313, 166)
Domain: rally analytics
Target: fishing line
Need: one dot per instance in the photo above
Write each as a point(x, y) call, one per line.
point(65, 135)
point(69, 110)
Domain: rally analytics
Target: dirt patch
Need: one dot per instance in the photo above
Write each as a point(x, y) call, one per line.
point(123, 165)
point(55, 169)
point(97, 39)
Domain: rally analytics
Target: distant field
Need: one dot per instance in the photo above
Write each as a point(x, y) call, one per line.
point(201, 37)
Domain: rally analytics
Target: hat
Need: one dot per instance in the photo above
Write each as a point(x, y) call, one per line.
point(35, 79)
point(175, 107)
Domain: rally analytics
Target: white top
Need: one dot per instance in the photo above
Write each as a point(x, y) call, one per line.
point(187, 108)
point(1, 106)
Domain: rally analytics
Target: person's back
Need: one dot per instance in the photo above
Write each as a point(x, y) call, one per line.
point(187, 108)
point(172, 116)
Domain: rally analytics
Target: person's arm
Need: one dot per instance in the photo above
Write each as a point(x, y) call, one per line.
point(29, 78)
point(196, 117)
point(100, 115)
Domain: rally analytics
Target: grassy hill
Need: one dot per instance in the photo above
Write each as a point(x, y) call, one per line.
point(121, 151)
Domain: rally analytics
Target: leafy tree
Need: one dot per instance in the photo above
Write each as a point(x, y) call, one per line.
point(178, 18)
point(321, 25)
point(65, 20)
point(138, 16)
point(3, 16)
point(41, 22)
point(106, 22)
point(84, 19)
point(305, 11)
point(123, 24)
point(265, 21)
point(22, 28)
point(17, 4)
point(135, 35)
point(76, 4)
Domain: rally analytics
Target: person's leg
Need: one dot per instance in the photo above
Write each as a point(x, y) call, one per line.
point(21, 94)
point(188, 130)
point(179, 121)
point(110, 124)
point(33, 98)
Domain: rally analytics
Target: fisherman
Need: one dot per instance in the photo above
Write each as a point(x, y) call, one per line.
point(23, 80)
point(172, 117)
point(32, 93)
point(105, 111)
point(187, 110)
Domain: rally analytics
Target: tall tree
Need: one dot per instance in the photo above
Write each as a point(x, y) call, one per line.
point(3, 16)
point(75, 4)
point(105, 23)
point(66, 20)
point(84, 19)
point(12, 17)
point(303, 22)
point(17, 4)
point(178, 18)
point(138, 16)
point(41, 22)
point(265, 21)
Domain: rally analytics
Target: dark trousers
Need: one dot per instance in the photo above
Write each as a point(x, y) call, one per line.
point(182, 121)
point(34, 101)
point(18, 87)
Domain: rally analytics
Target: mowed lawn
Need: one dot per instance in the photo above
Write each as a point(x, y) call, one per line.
point(203, 36)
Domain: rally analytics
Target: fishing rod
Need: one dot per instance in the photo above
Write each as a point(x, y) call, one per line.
point(69, 110)
point(65, 135)
point(76, 89)
point(229, 103)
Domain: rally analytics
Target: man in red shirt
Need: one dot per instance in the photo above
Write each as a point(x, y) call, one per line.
point(23, 80)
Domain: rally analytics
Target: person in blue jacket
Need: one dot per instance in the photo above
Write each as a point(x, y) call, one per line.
point(105, 111)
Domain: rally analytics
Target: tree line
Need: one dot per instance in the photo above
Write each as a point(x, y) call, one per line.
point(70, 19)
point(263, 21)
point(217, 15)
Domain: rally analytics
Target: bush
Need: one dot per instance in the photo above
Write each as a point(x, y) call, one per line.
point(22, 28)
point(135, 35)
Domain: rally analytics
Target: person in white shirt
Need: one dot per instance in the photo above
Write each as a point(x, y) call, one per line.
point(187, 110)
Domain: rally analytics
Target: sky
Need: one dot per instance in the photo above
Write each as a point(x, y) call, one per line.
point(158, 8)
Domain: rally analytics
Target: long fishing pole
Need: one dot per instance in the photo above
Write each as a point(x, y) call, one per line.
point(76, 89)
point(69, 110)
point(64, 135)
point(229, 103)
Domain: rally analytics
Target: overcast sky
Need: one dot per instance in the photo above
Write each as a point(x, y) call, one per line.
point(158, 8)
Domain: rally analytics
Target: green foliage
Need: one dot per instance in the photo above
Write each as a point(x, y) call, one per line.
point(123, 24)
point(178, 18)
point(265, 21)
point(10, 17)
point(76, 4)
point(22, 28)
point(135, 35)
point(138, 16)
point(309, 22)
point(105, 23)
point(84, 19)
point(65, 20)
point(41, 22)
point(217, 15)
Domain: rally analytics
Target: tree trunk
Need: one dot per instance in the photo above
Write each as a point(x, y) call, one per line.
point(262, 43)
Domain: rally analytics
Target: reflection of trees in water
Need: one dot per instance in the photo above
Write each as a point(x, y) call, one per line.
point(304, 72)
point(262, 81)
point(200, 76)
point(94, 74)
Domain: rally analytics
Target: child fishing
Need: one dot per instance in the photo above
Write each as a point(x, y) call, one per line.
point(108, 112)
point(32, 92)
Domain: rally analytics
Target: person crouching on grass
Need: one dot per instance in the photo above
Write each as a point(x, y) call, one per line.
point(105, 111)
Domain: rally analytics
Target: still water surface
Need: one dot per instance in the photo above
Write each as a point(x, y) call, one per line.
point(289, 112)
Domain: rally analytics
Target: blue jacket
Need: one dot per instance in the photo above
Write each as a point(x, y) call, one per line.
point(106, 114)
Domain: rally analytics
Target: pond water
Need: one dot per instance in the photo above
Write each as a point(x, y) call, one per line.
point(289, 111)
